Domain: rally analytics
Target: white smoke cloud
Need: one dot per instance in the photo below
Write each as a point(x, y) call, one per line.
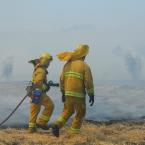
point(132, 61)
point(7, 68)
point(134, 66)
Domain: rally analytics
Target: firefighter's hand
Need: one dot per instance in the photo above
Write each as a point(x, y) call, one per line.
point(91, 100)
point(45, 87)
point(48, 88)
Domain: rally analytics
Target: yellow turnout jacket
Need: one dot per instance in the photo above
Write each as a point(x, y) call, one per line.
point(39, 77)
point(76, 79)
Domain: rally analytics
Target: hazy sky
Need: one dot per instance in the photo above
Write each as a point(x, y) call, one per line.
point(114, 30)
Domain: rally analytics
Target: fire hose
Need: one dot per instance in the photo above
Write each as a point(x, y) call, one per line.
point(29, 89)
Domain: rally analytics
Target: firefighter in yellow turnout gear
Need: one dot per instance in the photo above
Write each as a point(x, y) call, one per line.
point(75, 81)
point(39, 97)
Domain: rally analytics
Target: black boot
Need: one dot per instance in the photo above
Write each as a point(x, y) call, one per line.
point(55, 130)
point(45, 127)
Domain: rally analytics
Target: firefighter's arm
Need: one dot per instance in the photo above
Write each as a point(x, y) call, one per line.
point(88, 80)
point(62, 80)
point(62, 85)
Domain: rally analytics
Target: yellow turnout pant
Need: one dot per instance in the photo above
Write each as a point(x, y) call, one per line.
point(46, 113)
point(72, 105)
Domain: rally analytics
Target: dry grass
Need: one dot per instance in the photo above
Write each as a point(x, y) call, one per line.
point(91, 134)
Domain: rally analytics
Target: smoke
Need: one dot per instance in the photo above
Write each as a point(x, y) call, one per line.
point(134, 66)
point(132, 61)
point(7, 68)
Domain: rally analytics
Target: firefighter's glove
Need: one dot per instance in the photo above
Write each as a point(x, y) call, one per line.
point(45, 87)
point(91, 100)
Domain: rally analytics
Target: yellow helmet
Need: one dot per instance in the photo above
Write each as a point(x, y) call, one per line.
point(80, 51)
point(44, 58)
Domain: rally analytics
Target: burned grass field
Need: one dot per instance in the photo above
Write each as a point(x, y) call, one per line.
point(92, 133)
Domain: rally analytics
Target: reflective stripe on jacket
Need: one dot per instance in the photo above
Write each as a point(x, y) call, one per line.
point(76, 79)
